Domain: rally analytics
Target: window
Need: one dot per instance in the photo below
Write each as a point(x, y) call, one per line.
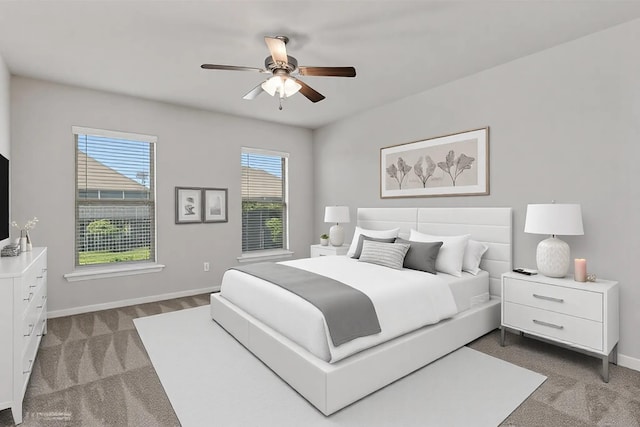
point(115, 197)
point(264, 200)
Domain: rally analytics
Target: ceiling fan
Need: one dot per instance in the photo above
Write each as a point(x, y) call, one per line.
point(284, 68)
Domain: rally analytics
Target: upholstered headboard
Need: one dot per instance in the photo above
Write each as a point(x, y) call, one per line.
point(491, 226)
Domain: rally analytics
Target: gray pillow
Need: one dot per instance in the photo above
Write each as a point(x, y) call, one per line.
point(386, 254)
point(421, 255)
point(362, 238)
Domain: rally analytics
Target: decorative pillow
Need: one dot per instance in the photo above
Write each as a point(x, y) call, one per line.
point(386, 254)
point(472, 256)
point(451, 253)
point(362, 238)
point(421, 255)
point(380, 234)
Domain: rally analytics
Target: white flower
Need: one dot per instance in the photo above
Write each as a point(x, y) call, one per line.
point(28, 226)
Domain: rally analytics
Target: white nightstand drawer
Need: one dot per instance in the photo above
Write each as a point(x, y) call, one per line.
point(572, 330)
point(574, 302)
point(319, 250)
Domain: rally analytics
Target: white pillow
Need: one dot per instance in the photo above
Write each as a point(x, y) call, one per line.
point(472, 256)
point(451, 253)
point(381, 234)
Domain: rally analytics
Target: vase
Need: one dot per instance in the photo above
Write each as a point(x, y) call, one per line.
point(23, 244)
point(29, 246)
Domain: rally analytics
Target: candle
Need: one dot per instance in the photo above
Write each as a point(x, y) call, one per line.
point(580, 270)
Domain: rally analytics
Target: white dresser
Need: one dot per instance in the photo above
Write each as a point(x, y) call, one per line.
point(23, 321)
point(579, 315)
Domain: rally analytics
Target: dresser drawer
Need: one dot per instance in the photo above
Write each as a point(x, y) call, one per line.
point(33, 280)
point(31, 337)
point(559, 327)
point(573, 302)
point(35, 310)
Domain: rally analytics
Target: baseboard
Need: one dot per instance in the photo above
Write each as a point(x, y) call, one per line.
point(629, 362)
point(133, 301)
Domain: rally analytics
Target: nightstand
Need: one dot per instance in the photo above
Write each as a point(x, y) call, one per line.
point(319, 250)
point(582, 316)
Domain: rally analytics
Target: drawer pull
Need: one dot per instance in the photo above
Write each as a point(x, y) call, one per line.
point(546, 298)
point(29, 297)
point(30, 366)
point(44, 298)
point(39, 277)
point(31, 326)
point(551, 325)
point(33, 286)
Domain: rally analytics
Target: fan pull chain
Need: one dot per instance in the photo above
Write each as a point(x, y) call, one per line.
point(280, 104)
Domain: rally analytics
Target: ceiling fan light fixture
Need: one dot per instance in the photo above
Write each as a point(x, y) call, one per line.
point(285, 86)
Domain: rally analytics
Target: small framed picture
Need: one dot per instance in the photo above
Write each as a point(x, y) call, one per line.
point(215, 204)
point(188, 205)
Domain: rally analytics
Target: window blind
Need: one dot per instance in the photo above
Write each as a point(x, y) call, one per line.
point(115, 198)
point(264, 200)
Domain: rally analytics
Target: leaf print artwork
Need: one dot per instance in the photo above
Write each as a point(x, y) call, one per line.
point(462, 163)
point(453, 164)
point(402, 170)
point(424, 176)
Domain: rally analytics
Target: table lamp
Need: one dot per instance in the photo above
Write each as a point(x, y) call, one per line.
point(552, 255)
point(336, 214)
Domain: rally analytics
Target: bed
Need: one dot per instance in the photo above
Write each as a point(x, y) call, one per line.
point(357, 373)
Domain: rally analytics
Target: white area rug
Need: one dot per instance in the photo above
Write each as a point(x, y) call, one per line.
point(212, 380)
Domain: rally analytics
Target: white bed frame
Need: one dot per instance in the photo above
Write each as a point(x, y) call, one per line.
point(331, 387)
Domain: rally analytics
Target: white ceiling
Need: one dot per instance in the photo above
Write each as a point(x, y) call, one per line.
point(153, 49)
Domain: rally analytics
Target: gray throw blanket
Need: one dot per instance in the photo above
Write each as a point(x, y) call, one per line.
point(348, 312)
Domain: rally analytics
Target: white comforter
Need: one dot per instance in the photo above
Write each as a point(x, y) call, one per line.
point(404, 300)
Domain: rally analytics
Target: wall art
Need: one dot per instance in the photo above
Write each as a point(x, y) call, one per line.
point(215, 205)
point(450, 165)
point(188, 205)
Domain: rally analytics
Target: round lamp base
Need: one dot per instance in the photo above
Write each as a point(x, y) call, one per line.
point(552, 257)
point(336, 235)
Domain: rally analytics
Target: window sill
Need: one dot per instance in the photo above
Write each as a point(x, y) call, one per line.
point(265, 255)
point(105, 272)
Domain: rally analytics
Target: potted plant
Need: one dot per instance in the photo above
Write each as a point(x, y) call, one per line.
point(324, 239)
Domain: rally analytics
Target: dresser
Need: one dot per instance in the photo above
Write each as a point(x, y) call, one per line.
point(578, 315)
point(23, 321)
point(319, 250)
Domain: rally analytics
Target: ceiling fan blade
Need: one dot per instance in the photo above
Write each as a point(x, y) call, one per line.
point(311, 94)
point(231, 68)
point(277, 48)
point(328, 71)
point(253, 93)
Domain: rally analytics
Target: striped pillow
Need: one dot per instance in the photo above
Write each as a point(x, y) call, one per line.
point(385, 254)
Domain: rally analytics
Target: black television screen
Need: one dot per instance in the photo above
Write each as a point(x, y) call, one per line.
point(4, 197)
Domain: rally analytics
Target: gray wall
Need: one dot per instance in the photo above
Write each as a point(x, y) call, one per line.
point(564, 125)
point(195, 148)
point(4, 117)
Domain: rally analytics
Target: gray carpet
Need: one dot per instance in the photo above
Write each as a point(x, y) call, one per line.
point(92, 370)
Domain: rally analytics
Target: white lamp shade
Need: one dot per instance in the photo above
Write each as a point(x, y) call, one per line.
point(336, 214)
point(554, 219)
point(285, 86)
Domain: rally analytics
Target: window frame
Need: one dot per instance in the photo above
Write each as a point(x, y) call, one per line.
point(94, 271)
point(267, 254)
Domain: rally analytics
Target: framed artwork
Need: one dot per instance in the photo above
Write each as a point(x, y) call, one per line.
point(450, 165)
point(188, 205)
point(215, 205)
